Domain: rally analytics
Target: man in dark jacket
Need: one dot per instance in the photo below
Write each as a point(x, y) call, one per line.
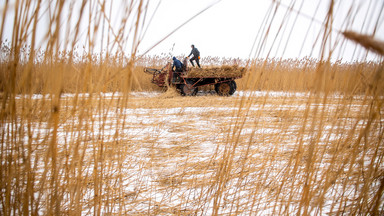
point(177, 65)
point(196, 56)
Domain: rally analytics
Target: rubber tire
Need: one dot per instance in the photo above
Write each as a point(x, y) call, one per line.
point(187, 89)
point(234, 85)
point(226, 88)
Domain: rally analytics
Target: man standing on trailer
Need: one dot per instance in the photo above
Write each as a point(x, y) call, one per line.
point(196, 56)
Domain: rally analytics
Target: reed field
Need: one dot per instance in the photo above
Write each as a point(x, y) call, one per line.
point(87, 133)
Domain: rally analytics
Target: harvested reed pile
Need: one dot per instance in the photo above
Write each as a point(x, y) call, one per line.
point(223, 71)
point(170, 93)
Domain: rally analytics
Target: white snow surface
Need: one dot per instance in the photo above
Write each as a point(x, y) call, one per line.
point(168, 159)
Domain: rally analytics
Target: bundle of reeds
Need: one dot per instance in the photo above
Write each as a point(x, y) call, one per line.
point(223, 71)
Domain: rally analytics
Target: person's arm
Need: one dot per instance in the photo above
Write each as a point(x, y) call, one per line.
point(190, 53)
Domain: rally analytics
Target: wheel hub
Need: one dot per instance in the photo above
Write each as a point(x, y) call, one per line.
point(188, 89)
point(224, 88)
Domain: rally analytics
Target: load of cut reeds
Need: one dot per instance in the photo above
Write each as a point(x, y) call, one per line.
point(223, 71)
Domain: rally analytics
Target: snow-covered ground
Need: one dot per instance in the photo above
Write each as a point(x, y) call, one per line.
point(254, 153)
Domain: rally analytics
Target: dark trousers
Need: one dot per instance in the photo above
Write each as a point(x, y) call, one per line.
point(177, 73)
point(196, 58)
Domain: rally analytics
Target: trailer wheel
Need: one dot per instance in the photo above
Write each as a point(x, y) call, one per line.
point(188, 89)
point(234, 85)
point(226, 88)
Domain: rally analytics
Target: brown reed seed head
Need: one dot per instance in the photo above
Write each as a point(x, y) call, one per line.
point(366, 41)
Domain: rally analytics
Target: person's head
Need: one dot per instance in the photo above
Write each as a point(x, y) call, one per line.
point(174, 58)
point(193, 46)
